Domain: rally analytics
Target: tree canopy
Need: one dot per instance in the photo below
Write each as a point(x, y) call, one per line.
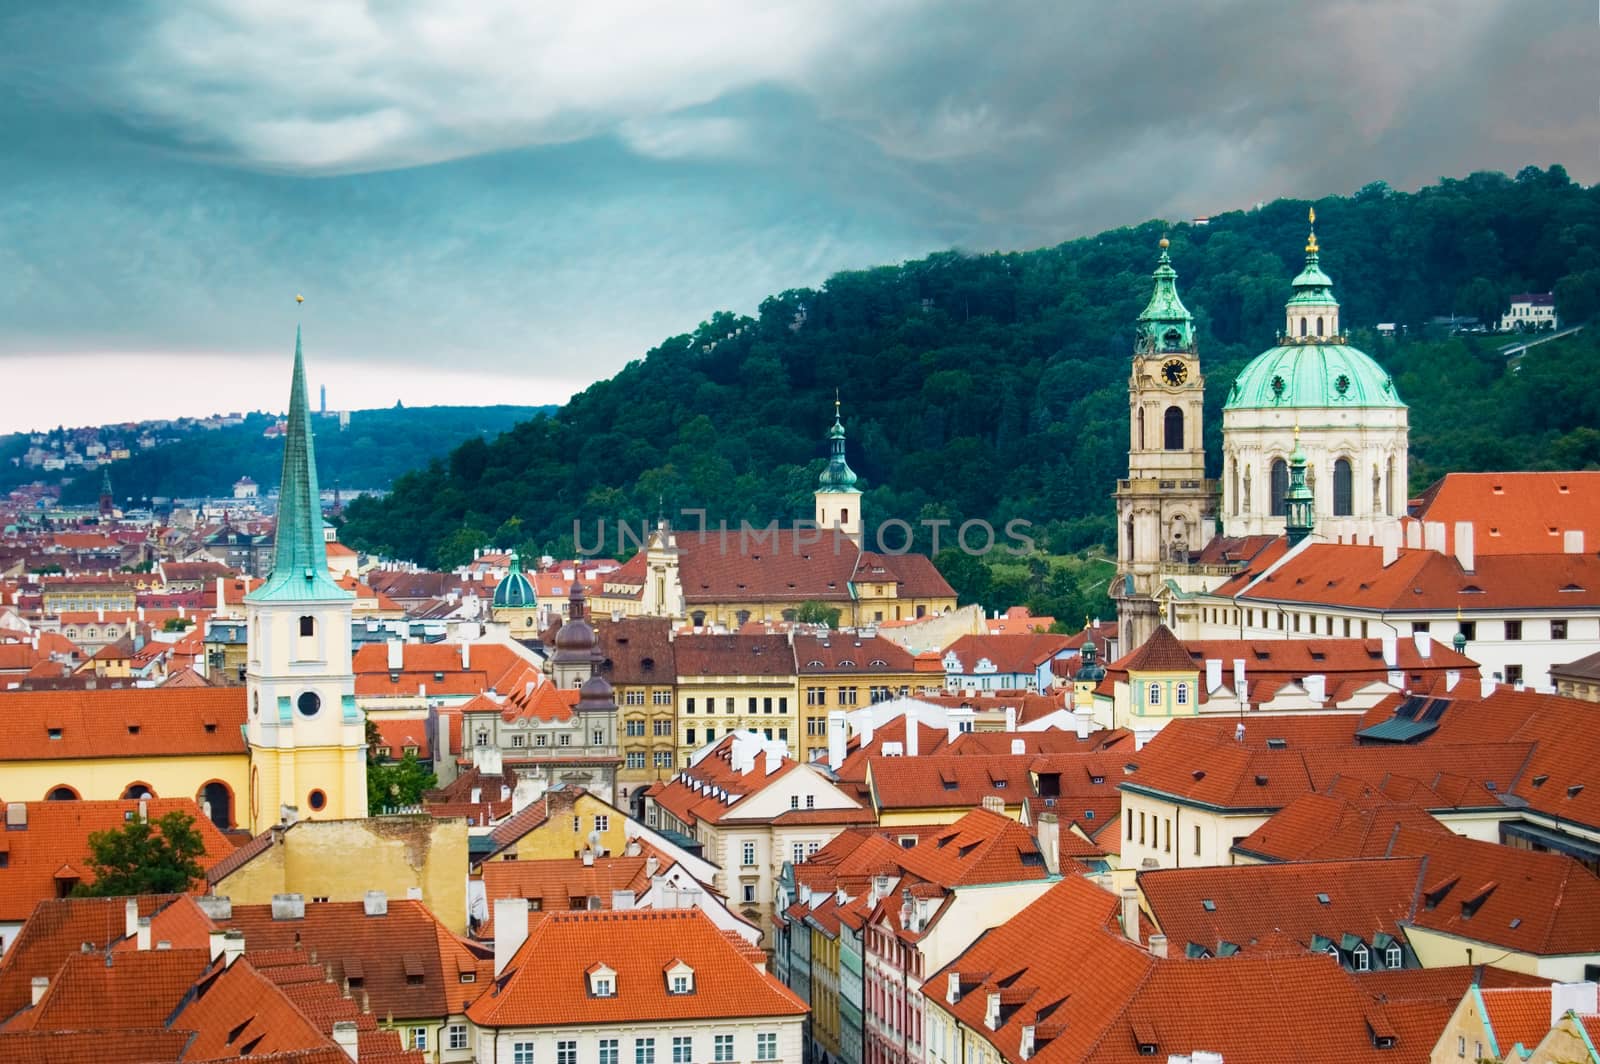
point(146, 857)
point(994, 386)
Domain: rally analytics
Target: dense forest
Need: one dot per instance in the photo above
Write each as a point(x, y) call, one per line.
point(995, 385)
point(377, 447)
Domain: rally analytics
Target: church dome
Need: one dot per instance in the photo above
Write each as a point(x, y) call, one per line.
point(596, 694)
point(575, 640)
point(1312, 375)
point(515, 591)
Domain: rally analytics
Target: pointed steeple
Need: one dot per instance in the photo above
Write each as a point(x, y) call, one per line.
point(1313, 312)
point(1298, 502)
point(299, 553)
point(838, 476)
point(1165, 324)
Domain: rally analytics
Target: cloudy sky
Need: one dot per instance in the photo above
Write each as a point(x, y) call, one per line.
point(500, 201)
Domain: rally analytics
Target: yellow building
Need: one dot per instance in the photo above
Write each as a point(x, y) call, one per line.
point(730, 683)
point(1162, 684)
point(563, 823)
point(843, 670)
point(421, 857)
point(75, 596)
point(825, 981)
point(105, 744)
point(637, 657)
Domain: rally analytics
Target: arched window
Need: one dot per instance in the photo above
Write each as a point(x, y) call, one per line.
point(216, 799)
point(62, 793)
point(1280, 486)
point(1319, 326)
point(1172, 429)
point(1129, 552)
point(1139, 417)
point(1343, 489)
point(1154, 697)
point(138, 789)
point(308, 626)
point(1181, 694)
point(1302, 326)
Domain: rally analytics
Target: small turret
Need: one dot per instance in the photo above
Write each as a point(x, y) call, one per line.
point(838, 493)
point(1298, 500)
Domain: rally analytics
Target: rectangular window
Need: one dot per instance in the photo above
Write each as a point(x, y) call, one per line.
point(783, 704)
point(682, 1049)
point(749, 850)
point(1558, 629)
point(723, 1048)
point(1513, 674)
point(811, 801)
point(608, 1051)
point(644, 1051)
point(541, 740)
point(598, 737)
point(517, 740)
point(521, 1053)
point(816, 696)
point(663, 728)
point(1513, 630)
point(847, 696)
point(567, 1051)
point(797, 852)
point(636, 759)
point(1469, 629)
point(602, 822)
point(688, 737)
point(566, 739)
point(1419, 626)
point(663, 759)
point(635, 729)
point(1166, 834)
point(794, 801)
point(766, 1045)
point(455, 1036)
point(688, 707)
point(1141, 829)
point(417, 1038)
point(766, 705)
point(1197, 840)
point(633, 698)
point(752, 703)
point(749, 893)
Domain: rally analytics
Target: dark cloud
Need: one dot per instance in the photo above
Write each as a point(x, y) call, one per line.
point(466, 186)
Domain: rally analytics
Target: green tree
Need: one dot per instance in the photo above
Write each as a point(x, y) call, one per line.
point(813, 612)
point(397, 784)
point(145, 857)
point(966, 573)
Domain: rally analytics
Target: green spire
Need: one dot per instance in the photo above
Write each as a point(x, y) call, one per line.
point(1165, 324)
point(1311, 285)
point(838, 476)
point(299, 554)
point(1298, 500)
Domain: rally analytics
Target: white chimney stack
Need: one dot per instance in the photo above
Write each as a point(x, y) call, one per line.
point(1486, 686)
point(1465, 554)
point(1389, 537)
point(397, 655)
point(774, 761)
point(142, 939)
point(130, 917)
point(1316, 686)
point(1213, 674)
point(866, 727)
point(1082, 719)
point(1130, 913)
point(232, 947)
point(1424, 641)
point(1572, 541)
point(510, 930)
point(1451, 678)
point(466, 656)
point(913, 728)
point(346, 1037)
point(838, 739)
point(1011, 718)
point(1019, 747)
point(1433, 535)
point(41, 984)
point(1391, 652)
point(1572, 997)
point(1158, 946)
point(1413, 535)
point(376, 903)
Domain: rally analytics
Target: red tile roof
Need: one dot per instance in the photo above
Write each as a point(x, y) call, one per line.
point(55, 931)
point(1009, 654)
point(114, 1046)
point(942, 781)
point(98, 990)
point(1517, 1016)
point(546, 982)
point(1513, 513)
point(95, 724)
point(840, 653)
point(57, 837)
point(734, 655)
point(1327, 827)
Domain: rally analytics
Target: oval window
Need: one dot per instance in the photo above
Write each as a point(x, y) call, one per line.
point(309, 703)
point(317, 800)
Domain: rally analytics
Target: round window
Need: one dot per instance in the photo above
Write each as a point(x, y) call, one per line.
point(1341, 384)
point(309, 703)
point(1278, 385)
point(317, 800)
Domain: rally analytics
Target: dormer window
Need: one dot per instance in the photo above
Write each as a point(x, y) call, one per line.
point(680, 978)
point(602, 982)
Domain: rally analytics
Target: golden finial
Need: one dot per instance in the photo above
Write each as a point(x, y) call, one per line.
point(836, 404)
point(1165, 243)
point(299, 298)
point(1311, 241)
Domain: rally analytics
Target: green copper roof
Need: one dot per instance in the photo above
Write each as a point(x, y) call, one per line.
point(838, 476)
point(514, 592)
point(1165, 324)
point(1298, 502)
point(1312, 375)
point(299, 555)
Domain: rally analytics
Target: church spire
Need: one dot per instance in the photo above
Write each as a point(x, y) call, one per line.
point(838, 476)
point(299, 554)
point(1298, 500)
point(1165, 324)
point(1312, 312)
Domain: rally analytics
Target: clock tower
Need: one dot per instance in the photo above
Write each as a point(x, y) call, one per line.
point(307, 736)
point(1165, 508)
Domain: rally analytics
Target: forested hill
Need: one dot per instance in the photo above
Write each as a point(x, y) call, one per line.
point(995, 385)
point(376, 447)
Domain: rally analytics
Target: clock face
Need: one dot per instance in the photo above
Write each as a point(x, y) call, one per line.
point(1175, 372)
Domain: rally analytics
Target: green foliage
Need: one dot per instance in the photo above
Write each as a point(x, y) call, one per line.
point(397, 784)
point(145, 857)
point(994, 386)
point(378, 446)
point(813, 612)
point(177, 624)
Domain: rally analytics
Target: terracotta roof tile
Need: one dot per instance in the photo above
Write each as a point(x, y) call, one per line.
point(94, 724)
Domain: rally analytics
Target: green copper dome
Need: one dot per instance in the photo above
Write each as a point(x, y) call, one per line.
point(837, 476)
point(1312, 375)
point(514, 592)
point(1165, 324)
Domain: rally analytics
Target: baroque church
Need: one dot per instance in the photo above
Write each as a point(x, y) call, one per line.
point(1313, 437)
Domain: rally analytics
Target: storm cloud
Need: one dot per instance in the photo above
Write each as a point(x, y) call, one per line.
point(507, 200)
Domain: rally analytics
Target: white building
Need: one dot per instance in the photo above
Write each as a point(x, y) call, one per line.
point(1530, 312)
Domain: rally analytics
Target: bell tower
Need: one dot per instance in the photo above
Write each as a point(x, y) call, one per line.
point(307, 737)
point(838, 497)
point(1165, 507)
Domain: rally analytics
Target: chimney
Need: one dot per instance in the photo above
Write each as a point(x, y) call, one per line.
point(1019, 746)
point(1316, 686)
point(1238, 677)
point(866, 728)
point(1391, 652)
point(41, 983)
point(1433, 536)
point(376, 903)
point(1082, 720)
point(651, 864)
point(232, 947)
point(1025, 1045)
point(221, 594)
point(288, 906)
point(1464, 546)
point(952, 993)
point(1485, 686)
point(1213, 674)
point(142, 938)
point(144, 811)
point(991, 1010)
point(466, 656)
point(1424, 643)
point(413, 894)
point(344, 1036)
point(774, 761)
point(1011, 718)
point(215, 907)
point(510, 930)
point(1572, 997)
point(1572, 541)
point(913, 734)
point(1130, 913)
point(995, 804)
point(632, 848)
point(1158, 946)
point(1389, 537)
point(130, 919)
point(214, 941)
point(397, 655)
point(622, 900)
point(1451, 678)
point(1413, 535)
point(16, 816)
point(1048, 832)
point(588, 858)
point(838, 739)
